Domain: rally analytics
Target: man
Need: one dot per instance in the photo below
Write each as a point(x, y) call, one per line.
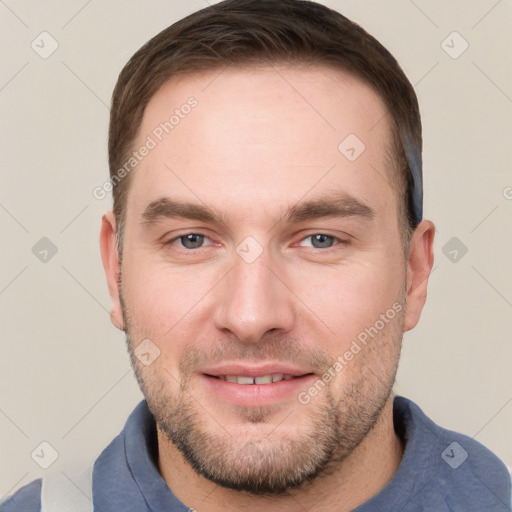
point(265, 254)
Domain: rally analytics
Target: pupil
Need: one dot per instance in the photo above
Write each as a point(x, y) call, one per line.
point(322, 241)
point(192, 241)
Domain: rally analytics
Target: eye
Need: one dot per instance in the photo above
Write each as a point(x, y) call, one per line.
point(319, 241)
point(190, 240)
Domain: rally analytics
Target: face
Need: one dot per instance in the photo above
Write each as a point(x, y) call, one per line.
point(264, 284)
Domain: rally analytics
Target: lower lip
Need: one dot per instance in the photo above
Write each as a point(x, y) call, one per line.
point(257, 395)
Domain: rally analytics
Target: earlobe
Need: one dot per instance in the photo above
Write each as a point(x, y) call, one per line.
point(419, 265)
point(110, 258)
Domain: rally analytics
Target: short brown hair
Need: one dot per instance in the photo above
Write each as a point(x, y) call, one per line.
point(242, 32)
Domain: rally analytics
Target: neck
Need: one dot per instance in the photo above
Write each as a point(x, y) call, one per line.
point(357, 478)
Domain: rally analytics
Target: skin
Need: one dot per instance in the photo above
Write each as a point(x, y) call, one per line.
point(260, 142)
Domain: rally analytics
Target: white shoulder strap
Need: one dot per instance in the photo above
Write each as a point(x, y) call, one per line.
point(65, 492)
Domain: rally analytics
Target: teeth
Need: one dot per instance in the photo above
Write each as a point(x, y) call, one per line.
point(244, 380)
point(267, 379)
point(264, 379)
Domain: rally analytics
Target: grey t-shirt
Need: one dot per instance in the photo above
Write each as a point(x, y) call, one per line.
point(441, 471)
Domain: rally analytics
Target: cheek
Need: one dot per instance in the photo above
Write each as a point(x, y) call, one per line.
point(156, 310)
point(350, 299)
point(151, 307)
point(362, 307)
point(163, 301)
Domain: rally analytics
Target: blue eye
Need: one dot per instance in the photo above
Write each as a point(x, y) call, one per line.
point(192, 240)
point(321, 241)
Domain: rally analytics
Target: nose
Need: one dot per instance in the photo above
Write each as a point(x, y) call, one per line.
point(254, 299)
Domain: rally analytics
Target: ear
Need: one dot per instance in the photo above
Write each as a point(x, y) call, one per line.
point(110, 260)
point(419, 265)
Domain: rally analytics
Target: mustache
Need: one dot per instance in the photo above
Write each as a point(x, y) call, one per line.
point(283, 349)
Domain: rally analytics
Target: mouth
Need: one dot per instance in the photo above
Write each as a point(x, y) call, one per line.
point(255, 387)
point(263, 379)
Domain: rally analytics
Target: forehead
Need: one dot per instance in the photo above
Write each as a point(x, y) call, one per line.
point(267, 135)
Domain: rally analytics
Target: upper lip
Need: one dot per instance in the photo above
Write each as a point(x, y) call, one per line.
point(254, 370)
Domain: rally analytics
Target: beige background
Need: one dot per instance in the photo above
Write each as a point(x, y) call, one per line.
point(64, 372)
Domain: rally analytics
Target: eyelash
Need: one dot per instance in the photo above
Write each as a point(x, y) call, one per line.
point(336, 241)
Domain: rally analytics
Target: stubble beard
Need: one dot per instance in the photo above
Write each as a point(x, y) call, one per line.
point(269, 465)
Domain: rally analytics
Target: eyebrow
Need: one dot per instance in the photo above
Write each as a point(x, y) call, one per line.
point(167, 208)
point(341, 205)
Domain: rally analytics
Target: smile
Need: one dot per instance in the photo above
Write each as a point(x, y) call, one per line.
point(264, 379)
